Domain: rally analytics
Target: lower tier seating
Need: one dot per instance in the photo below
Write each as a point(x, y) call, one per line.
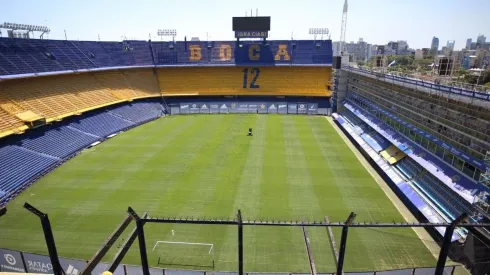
point(25, 157)
point(439, 193)
point(139, 112)
point(19, 165)
point(102, 124)
point(59, 141)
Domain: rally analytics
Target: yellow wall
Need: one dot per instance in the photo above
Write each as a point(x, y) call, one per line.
point(302, 81)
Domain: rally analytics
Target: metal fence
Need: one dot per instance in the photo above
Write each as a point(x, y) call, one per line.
point(28, 262)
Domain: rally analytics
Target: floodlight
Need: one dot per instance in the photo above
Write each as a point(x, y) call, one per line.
point(15, 26)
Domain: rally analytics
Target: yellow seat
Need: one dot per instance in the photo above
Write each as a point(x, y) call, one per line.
point(55, 97)
point(392, 154)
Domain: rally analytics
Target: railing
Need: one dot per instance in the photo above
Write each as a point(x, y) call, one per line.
point(483, 95)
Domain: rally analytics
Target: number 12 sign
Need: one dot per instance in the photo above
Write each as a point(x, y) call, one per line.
point(255, 72)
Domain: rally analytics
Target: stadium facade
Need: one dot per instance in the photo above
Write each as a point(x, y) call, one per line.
point(430, 141)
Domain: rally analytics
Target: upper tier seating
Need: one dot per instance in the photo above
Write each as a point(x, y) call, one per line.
point(24, 56)
point(95, 53)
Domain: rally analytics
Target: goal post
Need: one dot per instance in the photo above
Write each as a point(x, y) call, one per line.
point(158, 245)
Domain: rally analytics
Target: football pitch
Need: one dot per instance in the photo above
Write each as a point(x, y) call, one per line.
point(293, 168)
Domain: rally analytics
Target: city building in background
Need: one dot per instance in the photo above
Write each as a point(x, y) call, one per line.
point(434, 46)
point(468, 43)
point(358, 50)
point(450, 44)
point(480, 40)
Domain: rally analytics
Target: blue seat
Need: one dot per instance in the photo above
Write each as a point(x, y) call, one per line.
point(438, 192)
point(139, 112)
point(18, 166)
point(59, 142)
point(102, 124)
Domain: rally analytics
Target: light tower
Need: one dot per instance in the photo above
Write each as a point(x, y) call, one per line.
point(343, 30)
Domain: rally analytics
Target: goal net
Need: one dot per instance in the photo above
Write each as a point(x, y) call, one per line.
point(184, 253)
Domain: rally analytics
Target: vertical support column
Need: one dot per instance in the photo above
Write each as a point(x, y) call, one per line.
point(446, 244)
point(340, 88)
point(141, 239)
point(240, 243)
point(343, 242)
point(48, 236)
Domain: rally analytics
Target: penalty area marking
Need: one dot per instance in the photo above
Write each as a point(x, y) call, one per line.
point(402, 209)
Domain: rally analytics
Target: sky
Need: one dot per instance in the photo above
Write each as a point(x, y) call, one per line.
point(376, 21)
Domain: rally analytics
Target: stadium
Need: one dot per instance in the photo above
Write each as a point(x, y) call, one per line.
point(232, 157)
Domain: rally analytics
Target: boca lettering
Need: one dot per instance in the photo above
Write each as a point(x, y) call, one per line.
point(282, 53)
point(194, 52)
point(225, 52)
point(254, 52)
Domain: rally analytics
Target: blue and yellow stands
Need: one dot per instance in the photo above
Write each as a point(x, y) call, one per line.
point(266, 81)
point(392, 154)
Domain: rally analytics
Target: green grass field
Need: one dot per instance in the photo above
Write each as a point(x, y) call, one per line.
point(294, 167)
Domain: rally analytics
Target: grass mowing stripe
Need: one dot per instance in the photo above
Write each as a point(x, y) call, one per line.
point(275, 203)
point(321, 190)
point(302, 196)
point(248, 191)
point(230, 157)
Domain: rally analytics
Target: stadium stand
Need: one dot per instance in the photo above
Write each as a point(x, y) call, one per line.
point(28, 156)
point(141, 52)
point(119, 52)
point(18, 166)
point(469, 165)
point(449, 202)
point(307, 81)
point(59, 141)
point(139, 112)
point(402, 185)
point(392, 154)
point(56, 97)
point(143, 82)
point(375, 140)
point(116, 83)
point(8, 122)
point(95, 53)
point(102, 124)
point(467, 128)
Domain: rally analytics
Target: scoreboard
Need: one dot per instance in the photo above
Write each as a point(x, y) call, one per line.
point(251, 27)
